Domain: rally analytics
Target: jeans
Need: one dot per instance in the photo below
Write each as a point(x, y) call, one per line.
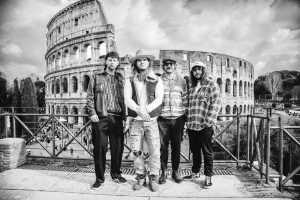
point(202, 141)
point(110, 127)
point(141, 130)
point(170, 131)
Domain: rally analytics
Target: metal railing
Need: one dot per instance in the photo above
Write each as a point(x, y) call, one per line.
point(257, 139)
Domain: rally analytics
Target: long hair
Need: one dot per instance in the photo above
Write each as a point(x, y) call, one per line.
point(111, 54)
point(135, 67)
point(203, 79)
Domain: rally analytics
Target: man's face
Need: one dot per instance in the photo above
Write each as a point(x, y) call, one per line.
point(197, 71)
point(112, 63)
point(169, 67)
point(142, 63)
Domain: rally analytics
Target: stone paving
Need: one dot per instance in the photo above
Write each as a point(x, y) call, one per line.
point(25, 184)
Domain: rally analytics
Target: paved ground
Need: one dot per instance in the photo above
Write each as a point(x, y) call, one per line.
point(29, 184)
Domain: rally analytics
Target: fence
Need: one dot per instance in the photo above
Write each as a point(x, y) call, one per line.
point(257, 141)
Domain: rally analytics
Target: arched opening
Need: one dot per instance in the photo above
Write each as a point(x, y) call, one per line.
point(88, 51)
point(57, 86)
point(74, 84)
point(66, 57)
point(58, 59)
point(65, 112)
point(75, 112)
point(248, 89)
point(65, 85)
point(85, 83)
point(102, 49)
point(241, 88)
point(245, 89)
point(85, 112)
point(75, 53)
point(241, 109)
point(234, 74)
point(219, 81)
point(235, 109)
point(234, 88)
point(227, 87)
point(52, 87)
point(227, 110)
point(53, 62)
point(57, 110)
point(245, 108)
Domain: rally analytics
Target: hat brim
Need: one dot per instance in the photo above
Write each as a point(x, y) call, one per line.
point(169, 59)
point(150, 57)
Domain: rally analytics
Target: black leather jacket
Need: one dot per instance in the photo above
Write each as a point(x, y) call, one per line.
point(95, 94)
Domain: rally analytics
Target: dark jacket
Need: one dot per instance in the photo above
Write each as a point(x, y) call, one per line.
point(95, 94)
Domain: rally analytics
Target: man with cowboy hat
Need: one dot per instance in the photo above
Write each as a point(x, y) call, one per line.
point(171, 122)
point(203, 108)
point(143, 93)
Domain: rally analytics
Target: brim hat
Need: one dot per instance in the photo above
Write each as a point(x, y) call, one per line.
point(141, 54)
point(171, 59)
point(199, 64)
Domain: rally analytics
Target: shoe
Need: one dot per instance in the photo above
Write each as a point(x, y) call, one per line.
point(152, 183)
point(163, 178)
point(119, 179)
point(96, 185)
point(192, 176)
point(207, 181)
point(140, 181)
point(176, 176)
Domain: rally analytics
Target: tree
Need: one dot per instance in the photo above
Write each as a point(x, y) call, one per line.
point(260, 89)
point(3, 92)
point(273, 83)
point(40, 93)
point(16, 102)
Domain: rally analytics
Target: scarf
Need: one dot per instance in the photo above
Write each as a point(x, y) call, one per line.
point(142, 76)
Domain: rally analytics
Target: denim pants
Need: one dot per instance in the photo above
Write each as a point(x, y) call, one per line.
point(139, 131)
point(170, 131)
point(108, 128)
point(202, 141)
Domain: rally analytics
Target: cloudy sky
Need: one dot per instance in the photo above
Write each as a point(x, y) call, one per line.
point(264, 32)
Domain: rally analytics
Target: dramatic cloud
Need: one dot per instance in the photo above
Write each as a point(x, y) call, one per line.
point(264, 32)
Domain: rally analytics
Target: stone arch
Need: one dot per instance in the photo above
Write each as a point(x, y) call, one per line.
point(234, 74)
point(53, 62)
point(65, 85)
point(245, 108)
point(57, 110)
point(74, 111)
point(52, 87)
point(227, 86)
point(65, 112)
point(74, 84)
point(57, 86)
point(245, 89)
point(241, 88)
point(75, 53)
point(102, 49)
point(248, 109)
point(85, 83)
point(66, 56)
point(248, 89)
point(235, 109)
point(234, 88)
point(220, 82)
point(58, 59)
point(87, 49)
point(227, 111)
point(241, 109)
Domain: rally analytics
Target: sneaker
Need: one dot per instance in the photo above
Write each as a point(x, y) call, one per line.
point(176, 176)
point(119, 179)
point(163, 178)
point(140, 181)
point(152, 183)
point(96, 185)
point(207, 181)
point(192, 176)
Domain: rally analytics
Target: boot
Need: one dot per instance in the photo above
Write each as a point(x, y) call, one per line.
point(176, 176)
point(163, 177)
point(140, 181)
point(152, 183)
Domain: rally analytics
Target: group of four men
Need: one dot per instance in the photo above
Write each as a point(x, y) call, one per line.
point(157, 109)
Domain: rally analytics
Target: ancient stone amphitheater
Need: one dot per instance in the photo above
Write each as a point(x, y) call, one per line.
point(78, 38)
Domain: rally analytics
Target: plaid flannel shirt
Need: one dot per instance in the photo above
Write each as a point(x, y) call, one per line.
point(204, 106)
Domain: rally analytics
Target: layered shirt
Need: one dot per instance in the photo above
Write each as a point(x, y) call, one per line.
point(175, 90)
point(204, 104)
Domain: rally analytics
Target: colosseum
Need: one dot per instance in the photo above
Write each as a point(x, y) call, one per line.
point(78, 38)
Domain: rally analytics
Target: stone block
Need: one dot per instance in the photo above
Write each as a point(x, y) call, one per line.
point(12, 153)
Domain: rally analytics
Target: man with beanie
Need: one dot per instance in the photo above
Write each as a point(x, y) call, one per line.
point(203, 108)
point(105, 102)
point(143, 96)
point(171, 122)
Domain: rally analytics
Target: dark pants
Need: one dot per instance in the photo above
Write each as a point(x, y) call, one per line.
point(202, 141)
point(170, 130)
point(111, 128)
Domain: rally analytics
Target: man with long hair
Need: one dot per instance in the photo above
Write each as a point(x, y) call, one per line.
point(171, 122)
point(203, 108)
point(105, 103)
point(143, 96)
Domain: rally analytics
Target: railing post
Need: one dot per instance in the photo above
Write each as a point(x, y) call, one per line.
point(251, 138)
point(268, 148)
point(14, 121)
point(280, 153)
point(248, 142)
point(53, 136)
point(238, 139)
